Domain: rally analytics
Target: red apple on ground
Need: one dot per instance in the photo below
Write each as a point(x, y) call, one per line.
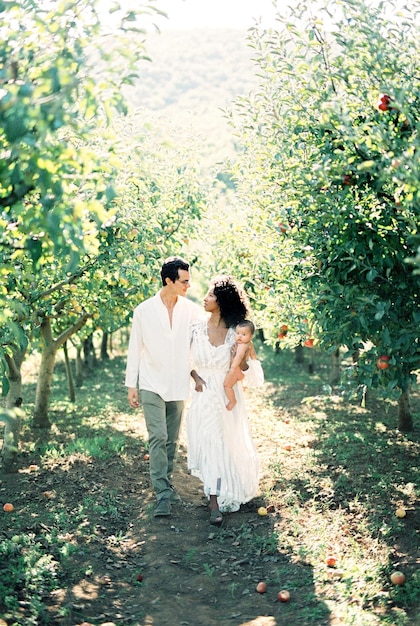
point(397, 578)
point(283, 596)
point(261, 587)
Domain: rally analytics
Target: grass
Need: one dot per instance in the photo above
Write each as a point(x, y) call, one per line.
point(334, 476)
point(349, 472)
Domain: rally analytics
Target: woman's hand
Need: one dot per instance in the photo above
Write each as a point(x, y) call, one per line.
point(199, 382)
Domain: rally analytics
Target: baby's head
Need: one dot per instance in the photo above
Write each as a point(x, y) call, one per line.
point(244, 331)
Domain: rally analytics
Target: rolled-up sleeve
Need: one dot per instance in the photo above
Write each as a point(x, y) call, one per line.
point(135, 349)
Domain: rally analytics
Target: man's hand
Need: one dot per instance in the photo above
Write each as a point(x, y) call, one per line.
point(133, 397)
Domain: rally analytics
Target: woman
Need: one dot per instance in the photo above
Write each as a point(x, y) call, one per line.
point(220, 448)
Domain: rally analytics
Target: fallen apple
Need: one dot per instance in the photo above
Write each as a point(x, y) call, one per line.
point(261, 587)
point(283, 596)
point(8, 507)
point(262, 511)
point(139, 577)
point(105, 580)
point(331, 561)
point(400, 512)
point(397, 578)
point(146, 457)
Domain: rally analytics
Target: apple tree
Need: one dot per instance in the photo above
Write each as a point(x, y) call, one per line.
point(53, 188)
point(330, 149)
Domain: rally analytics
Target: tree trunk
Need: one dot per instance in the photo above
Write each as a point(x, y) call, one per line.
point(311, 364)
point(69, 374)
point(405, 417)
point(79, 367)
point(90, 359)
point(334, 377)
point(299, 354)
point(13, 415)
point(104, 344)
point(43, 388)
point(46, 370)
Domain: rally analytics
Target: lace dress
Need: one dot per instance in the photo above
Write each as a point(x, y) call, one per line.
point(221, 452)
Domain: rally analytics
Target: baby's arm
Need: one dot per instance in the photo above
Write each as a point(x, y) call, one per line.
point(234, 374)
point(240, 354)
point(252, 354)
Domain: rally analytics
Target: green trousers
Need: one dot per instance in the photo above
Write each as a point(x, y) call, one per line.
point(163, 421)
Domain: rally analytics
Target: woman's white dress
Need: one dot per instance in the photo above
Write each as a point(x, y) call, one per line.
point(221, 452)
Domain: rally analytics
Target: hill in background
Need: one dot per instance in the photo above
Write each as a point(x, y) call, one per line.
point(193, 75)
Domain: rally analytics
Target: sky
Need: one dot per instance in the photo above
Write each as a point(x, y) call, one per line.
point(187, 14)
point(216, 13)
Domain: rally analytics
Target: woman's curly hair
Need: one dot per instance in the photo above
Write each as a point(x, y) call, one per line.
point(231, 298)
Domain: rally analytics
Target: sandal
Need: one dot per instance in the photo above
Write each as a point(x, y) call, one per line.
point(216, 518)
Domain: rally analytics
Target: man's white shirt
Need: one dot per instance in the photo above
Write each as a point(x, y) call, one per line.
point(158, 357)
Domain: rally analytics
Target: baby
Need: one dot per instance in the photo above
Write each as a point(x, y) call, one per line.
point(241, 352)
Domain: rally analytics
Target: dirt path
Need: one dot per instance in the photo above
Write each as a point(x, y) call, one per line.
point(192, 573)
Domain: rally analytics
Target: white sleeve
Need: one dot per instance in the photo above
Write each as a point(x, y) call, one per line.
point(135, 347)
point(254, 375)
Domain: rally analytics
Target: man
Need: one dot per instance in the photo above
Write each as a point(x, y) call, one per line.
point(158, 363)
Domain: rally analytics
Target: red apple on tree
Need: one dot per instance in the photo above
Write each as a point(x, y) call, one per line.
point(383, 102)
point(382, 362)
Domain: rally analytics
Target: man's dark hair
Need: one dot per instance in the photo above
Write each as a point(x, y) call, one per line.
point(170, 268)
